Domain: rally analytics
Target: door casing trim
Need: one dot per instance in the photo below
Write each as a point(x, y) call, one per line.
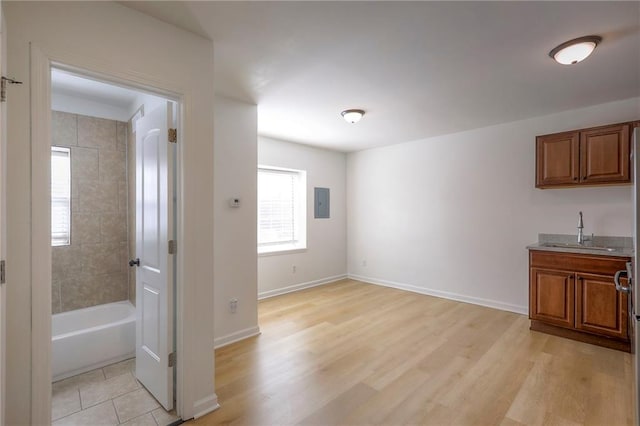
point(42, 60)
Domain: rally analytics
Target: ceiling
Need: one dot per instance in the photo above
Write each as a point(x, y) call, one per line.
point(85, 95)
point(66, 83)
point(418, 69)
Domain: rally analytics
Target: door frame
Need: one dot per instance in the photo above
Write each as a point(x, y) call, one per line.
point(3, 218)
point(40, 74)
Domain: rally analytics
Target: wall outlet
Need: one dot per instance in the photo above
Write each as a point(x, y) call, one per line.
point(293, 269)
point(233, 305)
point(364, 262)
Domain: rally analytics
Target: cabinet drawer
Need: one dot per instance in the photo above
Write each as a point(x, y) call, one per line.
point(603, 265)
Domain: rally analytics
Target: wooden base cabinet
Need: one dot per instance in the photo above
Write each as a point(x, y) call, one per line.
point(574, 296)
point(552, 295)
point(600, 308)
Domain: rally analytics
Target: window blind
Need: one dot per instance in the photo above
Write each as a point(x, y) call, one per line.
point(60, 196)
point(277, 205)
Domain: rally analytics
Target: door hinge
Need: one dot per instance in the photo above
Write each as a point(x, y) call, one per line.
point(3, 87)
point(2, 271)
point(173, 248)
point(173, 135)
point(172, 359)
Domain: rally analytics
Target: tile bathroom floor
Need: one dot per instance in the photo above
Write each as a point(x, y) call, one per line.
point(107, 396)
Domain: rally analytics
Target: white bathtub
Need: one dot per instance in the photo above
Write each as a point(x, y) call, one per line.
point(90, 338)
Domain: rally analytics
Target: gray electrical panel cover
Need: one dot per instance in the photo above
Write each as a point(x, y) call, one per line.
point(321, 203)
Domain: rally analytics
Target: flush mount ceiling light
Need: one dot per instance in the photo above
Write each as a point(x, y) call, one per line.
point(352, 115)
point(576, 50)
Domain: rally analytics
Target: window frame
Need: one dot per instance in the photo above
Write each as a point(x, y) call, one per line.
point(60, 242)
point(299, 243)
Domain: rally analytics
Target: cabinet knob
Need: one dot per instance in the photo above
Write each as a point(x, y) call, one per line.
point(575, 178)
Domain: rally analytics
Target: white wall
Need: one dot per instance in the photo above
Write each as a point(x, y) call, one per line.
point(235, 270)
point(110, 38)
point(452, 215)
point(325, 257)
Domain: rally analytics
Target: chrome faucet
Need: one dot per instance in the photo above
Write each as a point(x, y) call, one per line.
point(580, 228)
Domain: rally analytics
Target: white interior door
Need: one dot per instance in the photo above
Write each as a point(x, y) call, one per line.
point(154, 275)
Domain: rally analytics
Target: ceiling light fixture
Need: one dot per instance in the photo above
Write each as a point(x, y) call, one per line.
point(576, 50)
point(352, 115)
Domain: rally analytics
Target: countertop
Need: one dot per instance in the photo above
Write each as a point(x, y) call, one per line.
point(622, 246)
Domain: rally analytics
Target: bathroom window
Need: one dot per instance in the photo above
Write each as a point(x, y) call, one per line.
point(281, 210)
point(60, 196)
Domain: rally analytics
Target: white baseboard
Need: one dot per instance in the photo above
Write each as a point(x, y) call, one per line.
point(301, 286)
point(518, 309)
point(235, 337)
point(205, 405)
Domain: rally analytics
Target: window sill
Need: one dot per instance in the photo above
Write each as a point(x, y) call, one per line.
point(275, 251)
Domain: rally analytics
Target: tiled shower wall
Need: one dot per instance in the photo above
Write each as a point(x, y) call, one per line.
point(94, 269)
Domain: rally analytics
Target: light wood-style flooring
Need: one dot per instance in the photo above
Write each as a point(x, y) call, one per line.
point(351, 353)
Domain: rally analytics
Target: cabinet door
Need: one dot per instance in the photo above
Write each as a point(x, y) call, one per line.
point(600, 308)
point(557, 159)
point(604, 154)
point(552, 297)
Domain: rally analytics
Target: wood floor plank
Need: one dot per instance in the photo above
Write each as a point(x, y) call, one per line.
point(335, 412)
point(351, 353)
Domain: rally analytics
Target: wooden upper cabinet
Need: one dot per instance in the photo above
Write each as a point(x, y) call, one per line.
point(596, 156)
point(557, 159)
point(604, 154)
